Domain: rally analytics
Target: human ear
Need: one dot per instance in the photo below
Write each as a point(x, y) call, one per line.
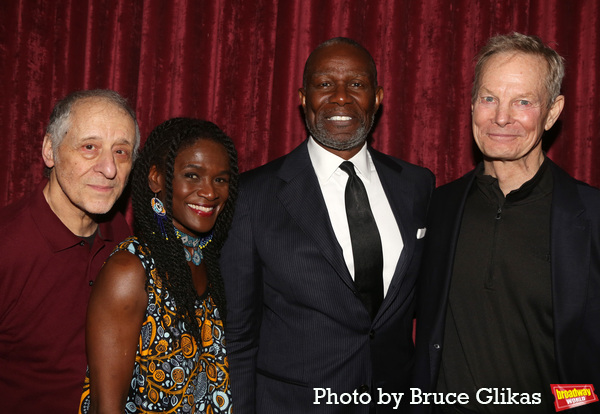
point(47, 152)
point(555, 110)
point(156, 180)
point(378, 97)
point(302, 96)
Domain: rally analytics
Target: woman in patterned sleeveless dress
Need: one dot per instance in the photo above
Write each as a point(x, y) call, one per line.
point(154, 333)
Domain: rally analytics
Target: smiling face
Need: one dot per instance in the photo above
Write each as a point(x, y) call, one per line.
point(91, 165)
point(510, 110)
point(340, 98)
point(201, 176)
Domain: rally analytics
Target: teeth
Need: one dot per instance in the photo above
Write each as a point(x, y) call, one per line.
point(201, 208)
point(340, 118)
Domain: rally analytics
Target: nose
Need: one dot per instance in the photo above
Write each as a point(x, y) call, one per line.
point(503, 115)
point(340, 95)
point(207, 190)
point(106, 165)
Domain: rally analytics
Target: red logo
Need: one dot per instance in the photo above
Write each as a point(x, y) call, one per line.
point(572, 395)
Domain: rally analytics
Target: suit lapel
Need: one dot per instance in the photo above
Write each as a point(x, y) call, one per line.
point(399, 195)
point(301, 196)
point(570, 257)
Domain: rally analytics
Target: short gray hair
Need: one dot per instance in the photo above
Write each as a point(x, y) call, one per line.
point(529, 45)
point(60, 118)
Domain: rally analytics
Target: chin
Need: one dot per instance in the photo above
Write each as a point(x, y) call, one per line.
point(98, 211)
point(98, 208)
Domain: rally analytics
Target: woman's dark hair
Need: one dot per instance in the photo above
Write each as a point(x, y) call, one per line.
point(160, 150)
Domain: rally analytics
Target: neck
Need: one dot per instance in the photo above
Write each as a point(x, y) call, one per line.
point(193, 245)
point(77, 221)
point(511, 175)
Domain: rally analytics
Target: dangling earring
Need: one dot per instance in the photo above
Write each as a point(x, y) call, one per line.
point(159, 214)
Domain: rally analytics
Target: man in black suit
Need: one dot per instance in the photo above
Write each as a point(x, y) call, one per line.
point(320, 312)
point(509, 293)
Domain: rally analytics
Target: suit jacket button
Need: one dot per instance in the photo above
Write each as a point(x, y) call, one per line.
point(363, 389)
point(436, 346)
point(372, 334)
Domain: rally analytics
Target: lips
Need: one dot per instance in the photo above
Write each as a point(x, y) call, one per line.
point(339, 119)
point(102, 188)
point(339, 114)
point(501, 135)
point(202, 210)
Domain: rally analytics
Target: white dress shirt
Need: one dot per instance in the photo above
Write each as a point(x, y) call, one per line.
point(333, 186)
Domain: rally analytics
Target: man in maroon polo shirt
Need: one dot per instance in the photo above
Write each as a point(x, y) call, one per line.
point(53, 243)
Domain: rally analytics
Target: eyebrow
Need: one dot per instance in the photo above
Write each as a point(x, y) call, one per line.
point(200, 167)
point(121, 141)
point(124, 141)
point(485, 90)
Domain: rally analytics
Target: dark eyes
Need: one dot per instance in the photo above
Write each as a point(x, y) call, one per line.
point(92, 148)
point(194, 176)
point(327, 84)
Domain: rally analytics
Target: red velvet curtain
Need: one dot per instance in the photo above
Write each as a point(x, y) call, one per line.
point(239, 63)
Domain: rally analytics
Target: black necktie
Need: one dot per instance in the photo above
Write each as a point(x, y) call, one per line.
point(366, 242)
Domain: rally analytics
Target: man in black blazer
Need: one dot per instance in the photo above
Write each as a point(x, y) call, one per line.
point(301, 337)
point(509, 293)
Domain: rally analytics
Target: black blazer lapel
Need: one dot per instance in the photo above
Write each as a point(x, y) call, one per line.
point(301, 195)
point(444, 222)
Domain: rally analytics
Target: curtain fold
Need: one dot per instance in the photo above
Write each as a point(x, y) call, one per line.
point(239, 64)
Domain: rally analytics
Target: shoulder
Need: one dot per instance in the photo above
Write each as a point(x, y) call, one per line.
point(16, 215)
point(135, 249)
point(570, 190)
point(590, 196)
point(448, 199)
point(402, 177)
point(133, 245)
point(20, 227)
point(263, 183)
point(460, 185)
point(123, 276)
point(282, 168)
point(130, 252)
point(267, 171)
point(407, 169)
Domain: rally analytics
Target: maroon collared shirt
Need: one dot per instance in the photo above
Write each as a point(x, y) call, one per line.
point(46, 276)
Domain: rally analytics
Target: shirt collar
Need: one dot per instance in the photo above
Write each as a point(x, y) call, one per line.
point(538, 186)
point(325, 163)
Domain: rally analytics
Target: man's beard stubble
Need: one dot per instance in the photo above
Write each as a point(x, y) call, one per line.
point(357, 139)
